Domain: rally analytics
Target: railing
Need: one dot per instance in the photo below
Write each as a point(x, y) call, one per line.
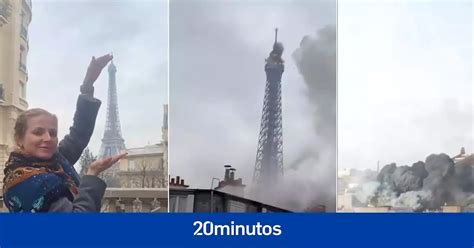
point(5, 11)
point(2, 94)
point(27, 3)
point(24, 33)
point(23, 67)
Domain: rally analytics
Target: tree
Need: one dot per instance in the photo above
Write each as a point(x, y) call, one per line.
point(145, 167)
point(86, 159)
point(150, 173)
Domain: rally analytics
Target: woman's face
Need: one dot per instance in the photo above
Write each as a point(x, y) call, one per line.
point(41, 137)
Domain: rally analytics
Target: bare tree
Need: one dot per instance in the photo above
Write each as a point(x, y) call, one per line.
point(150, 173)
point(86, 159)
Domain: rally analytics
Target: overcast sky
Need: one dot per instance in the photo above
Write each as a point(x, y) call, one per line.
point(405, 81)
point(64, 35)
point(217, 77)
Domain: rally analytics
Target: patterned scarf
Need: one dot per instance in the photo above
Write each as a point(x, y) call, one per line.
point(32, 184)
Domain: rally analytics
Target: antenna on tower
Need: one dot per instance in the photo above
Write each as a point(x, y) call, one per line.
point(276, 34)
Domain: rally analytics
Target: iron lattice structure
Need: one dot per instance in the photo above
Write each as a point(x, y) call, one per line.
point(269, 161)
point(112, 142)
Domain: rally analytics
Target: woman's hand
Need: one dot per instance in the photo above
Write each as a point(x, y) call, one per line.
point(99, 166)
point(95, 68)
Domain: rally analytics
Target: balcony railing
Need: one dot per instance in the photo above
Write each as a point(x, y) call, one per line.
point(22, 67)
point(24, 33)
point(27, 4)
point(5, 11)
point(2, 94)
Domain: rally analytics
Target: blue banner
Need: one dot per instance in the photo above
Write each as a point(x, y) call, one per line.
point(237, 230)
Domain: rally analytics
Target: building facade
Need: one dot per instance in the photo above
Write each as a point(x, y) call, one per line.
point(144, 167)
point(207, 200)
point(15, 17)
point(182, 199)
point(147, 167)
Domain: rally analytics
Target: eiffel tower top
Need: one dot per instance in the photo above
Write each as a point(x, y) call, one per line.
point(277, 51)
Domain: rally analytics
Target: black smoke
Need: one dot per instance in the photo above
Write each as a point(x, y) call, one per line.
point(427, 185)
point(311, 176)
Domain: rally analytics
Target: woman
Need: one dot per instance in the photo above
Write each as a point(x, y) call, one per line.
point(39, 175)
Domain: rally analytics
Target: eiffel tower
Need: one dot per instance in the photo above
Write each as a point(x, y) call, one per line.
point(112, 142)
point(269, 162)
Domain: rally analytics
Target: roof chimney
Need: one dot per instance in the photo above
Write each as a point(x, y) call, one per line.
point(232, 174)
point(227, 171)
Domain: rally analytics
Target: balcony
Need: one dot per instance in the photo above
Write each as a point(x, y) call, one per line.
point(24, 33)
point(23, 67)
point(5, 11)
point(2, 94)
point(27, 5)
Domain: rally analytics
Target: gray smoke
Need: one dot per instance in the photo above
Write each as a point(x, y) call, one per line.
point(311, 176)
point(423, 186)
point(304, 156)
point(316, 61)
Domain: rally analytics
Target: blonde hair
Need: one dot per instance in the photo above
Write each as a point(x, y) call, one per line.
point(21, 124)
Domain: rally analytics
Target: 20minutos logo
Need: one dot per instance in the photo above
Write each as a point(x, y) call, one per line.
point(208, 228)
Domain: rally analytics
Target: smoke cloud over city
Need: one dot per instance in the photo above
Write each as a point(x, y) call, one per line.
point(428, 185)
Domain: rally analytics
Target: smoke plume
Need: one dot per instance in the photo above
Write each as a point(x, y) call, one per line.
point(423, 186)
point(310, 178)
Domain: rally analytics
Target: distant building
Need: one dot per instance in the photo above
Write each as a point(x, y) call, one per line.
point(147, 166)
point(451, 209)
point(144, 167)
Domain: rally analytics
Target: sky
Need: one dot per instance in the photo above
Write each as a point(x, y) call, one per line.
point(64, 35)
point(217, 80)
point(405, 86)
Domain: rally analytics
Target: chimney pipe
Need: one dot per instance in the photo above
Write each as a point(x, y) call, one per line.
point(227, 170)
point(232, 174)
point(172, 181)
point(182, 182)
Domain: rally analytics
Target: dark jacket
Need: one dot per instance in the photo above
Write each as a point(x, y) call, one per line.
point(91, 188)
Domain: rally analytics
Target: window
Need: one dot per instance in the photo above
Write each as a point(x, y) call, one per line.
point(22, 90)
point(22, 58)
point(178, 203)
point(131, 165)
point(24, 25)
point(2, 93)
point(236, 206)
point(5, 12)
